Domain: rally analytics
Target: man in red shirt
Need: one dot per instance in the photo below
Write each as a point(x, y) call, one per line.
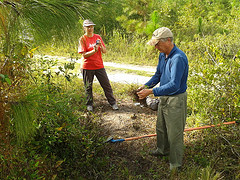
point(91, 46)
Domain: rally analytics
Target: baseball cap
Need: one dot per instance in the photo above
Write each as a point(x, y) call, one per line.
point(158, 34)
point(88, 22)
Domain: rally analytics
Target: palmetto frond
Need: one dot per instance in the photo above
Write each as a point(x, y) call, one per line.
point(43, 18)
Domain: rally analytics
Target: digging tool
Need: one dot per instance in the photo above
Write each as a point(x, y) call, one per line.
point(110, 139)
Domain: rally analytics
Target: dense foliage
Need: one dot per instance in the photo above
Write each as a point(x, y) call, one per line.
point(44, 130)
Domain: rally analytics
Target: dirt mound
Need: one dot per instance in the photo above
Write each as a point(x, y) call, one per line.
point(130, 120)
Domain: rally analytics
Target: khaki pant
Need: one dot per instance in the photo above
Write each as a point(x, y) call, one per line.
point(171, 119)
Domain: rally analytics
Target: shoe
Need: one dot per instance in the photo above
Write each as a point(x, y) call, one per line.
point(89, 108)
point(115, 106)
point(155, 152)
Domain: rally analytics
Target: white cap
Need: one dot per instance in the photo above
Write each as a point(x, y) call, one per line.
point(88, 22)
point(158, 34)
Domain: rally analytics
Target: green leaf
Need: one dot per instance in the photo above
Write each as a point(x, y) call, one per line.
point(2, 76)
point(8, 81)
point(61, 69)
point(37, 163)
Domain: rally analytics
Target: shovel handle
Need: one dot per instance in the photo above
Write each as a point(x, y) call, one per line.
point(139, 137)
point(209, 126)
point(189, 129)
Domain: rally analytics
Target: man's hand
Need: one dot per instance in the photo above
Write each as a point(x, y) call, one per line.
point(144, 93)
point(141, 88)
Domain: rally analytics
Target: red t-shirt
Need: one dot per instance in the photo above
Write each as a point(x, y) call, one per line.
point(87, 44)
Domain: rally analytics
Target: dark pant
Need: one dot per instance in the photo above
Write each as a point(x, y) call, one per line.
point(88, 76)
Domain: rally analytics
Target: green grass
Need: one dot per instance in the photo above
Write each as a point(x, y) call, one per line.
point(127, 71)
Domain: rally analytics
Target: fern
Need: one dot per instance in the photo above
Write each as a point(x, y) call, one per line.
point(209, 174)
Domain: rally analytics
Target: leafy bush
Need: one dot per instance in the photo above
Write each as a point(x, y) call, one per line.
point(214, 78)
point(54, 136)
point(64, 132)
point(64, 143)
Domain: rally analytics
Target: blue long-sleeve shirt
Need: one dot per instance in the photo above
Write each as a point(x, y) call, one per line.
point(172, 73)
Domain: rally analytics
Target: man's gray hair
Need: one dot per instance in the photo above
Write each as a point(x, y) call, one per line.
point(165, 39)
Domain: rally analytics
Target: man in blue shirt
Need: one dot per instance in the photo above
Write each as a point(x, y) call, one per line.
point(171, 73)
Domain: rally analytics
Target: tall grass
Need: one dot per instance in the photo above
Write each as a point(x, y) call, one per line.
point(23, 120)
point(131, 49)
point(121, 48)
